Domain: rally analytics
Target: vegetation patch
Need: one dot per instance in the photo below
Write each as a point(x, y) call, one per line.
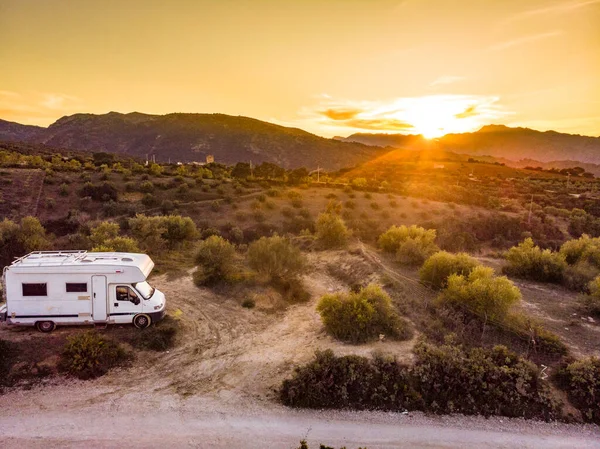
point(158, 337)
point(358, 317)
point(444, 379)
point(89, 355)
point(581, 381)
point(531, 262)
point(215, 260)
point(411, 244)
point(438, 268)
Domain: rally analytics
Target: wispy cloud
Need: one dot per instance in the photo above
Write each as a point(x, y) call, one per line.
point(557, 8)
point(447, 79)
point(524, 40)
point(40, 108)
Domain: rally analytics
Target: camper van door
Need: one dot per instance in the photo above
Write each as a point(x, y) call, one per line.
point(99, 299)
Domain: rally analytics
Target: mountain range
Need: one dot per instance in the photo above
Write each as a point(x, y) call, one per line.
point(498, 141)
point(191, 137)
point(182, 137)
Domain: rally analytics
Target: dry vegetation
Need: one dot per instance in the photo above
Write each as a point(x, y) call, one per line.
point(261, 272)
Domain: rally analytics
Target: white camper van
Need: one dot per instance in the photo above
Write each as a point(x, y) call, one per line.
point(49, 288)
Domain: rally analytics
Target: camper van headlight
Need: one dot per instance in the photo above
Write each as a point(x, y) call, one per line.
point(157, 307)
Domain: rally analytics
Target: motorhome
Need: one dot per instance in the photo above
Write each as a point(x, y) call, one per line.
point(50, 288)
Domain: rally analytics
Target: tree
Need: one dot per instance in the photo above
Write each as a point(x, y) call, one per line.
point(529, 261)
point(297, 175)
point(241, 170)
point(268, 170)
point(32, 235)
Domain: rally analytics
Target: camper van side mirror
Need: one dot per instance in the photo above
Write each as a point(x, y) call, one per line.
point(135, 300)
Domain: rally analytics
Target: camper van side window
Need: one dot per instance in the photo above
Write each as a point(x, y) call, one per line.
point(125, 294)
point(76, 288)
point(35, 290)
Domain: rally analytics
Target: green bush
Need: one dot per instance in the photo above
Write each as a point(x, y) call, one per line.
point(215, 259)
point(592, 301)
point(581, 381)
point(331, 231)
point(530, 262)
point(481, 293)
point(276, 257)
point(89, 354)
point(582, 249)
point(412, 244)
point(578, 276)
point(358, 317)
point(415, 251)
point(440, 266)
point(351, 382)
point(481, 381)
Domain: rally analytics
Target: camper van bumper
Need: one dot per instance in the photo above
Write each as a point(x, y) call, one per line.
point(157, 316)
point(3, 312)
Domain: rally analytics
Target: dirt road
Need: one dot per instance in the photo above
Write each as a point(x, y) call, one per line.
point(61, 416)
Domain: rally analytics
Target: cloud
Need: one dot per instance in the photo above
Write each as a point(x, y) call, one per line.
point(379, 124)
point(447, 79)
point(471, 111)
point(558, 8)
point(341, 114)
point(430, 115)
point(40, 108)
point(524, 40)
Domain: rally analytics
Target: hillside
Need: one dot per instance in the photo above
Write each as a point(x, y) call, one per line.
point(501, 142)
point(191, 137)
point(15, 132)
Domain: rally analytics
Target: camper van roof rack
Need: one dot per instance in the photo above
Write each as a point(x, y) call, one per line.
point(68, 255)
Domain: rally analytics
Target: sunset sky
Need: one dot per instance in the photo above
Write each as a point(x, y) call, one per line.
point(332, 67)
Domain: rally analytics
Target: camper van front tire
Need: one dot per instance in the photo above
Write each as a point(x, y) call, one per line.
point(141, 321)
point(45, 326)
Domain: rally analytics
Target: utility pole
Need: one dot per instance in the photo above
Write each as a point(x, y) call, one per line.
point(530, 208)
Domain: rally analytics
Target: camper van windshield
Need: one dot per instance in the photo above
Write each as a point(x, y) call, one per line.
point(144, 289)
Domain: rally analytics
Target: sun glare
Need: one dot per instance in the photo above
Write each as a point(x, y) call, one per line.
point(431, 116)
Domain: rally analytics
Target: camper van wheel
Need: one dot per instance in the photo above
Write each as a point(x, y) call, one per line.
point(45, 326)
point(141, 321)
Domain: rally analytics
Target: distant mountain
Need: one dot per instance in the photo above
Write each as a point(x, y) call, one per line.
point(15, 132)
point(500, 142)
point(191, 137)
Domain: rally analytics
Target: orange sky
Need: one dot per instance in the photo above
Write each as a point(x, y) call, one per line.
point(332, 67)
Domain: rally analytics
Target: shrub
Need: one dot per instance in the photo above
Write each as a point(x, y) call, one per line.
point(415, 251)
point(102, 192)
point(481, 293)
point(351, 382)
point(147, 187)
point(578, 277)
point(481, 381)
point(248, 303)
point(158, 337)
point(582, 249)
point(530, 262)
point(89, 354)
point(581, 381)
point(331, 231)
point(358, 317)
point(276, 257)
point(118, 244)
point(63, 190)
point(440, 266)
point(592, 301)
point(215, 260)
point(392, 239)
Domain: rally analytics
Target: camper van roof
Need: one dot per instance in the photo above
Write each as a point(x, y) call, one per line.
point(80, 258)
